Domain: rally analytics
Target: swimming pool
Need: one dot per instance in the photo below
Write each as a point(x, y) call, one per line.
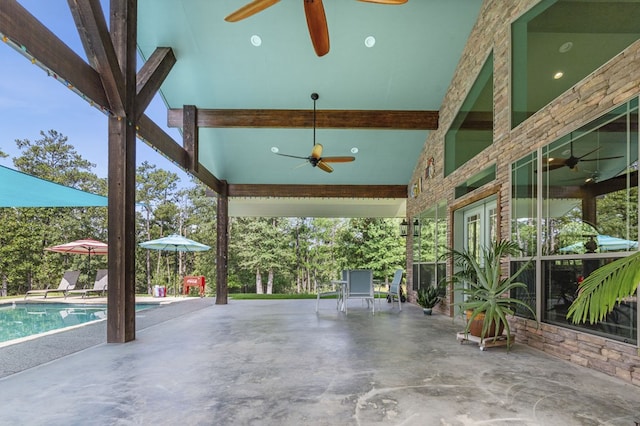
point(21, 320)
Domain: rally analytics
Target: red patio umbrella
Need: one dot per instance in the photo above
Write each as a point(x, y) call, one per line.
point(88, 247)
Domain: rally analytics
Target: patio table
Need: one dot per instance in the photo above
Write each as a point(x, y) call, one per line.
point(342, 284)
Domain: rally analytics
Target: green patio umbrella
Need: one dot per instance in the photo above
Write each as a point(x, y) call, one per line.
point(174, 243)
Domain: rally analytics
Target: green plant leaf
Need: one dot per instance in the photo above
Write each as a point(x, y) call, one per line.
point(604, 288)
point(481, 281)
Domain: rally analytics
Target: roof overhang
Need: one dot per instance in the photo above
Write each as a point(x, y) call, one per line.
point(317, 207)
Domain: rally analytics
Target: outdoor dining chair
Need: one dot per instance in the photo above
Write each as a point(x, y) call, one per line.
point(395, 291)
point(360, 286)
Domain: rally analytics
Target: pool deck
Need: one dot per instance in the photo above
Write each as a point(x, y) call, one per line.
point(279, 362)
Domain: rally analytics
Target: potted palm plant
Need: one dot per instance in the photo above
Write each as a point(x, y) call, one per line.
point(428, 298)
point(486, 293)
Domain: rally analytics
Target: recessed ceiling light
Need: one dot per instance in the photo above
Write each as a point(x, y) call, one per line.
point(565, 47)
point(274, 149)
point(256, 40)
point(558, 75)
point(370, 41)
point(354, 150)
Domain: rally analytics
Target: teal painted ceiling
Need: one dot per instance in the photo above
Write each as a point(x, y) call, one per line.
point(417, 47)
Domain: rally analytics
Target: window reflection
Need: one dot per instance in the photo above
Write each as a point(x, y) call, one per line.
point(559, 42)
point(590, 180)
point(429, 267)
point(561, 284)
point(585, 185)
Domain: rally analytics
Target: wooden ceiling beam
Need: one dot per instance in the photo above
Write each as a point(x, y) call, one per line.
point(152, 75)
point(33, 38)
point(616, 183)
point(95, 37)
point(157, 138)
point(318, 191)
point(295, 118)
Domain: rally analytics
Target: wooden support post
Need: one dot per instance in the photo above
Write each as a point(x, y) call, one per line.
point(589, 207)
point(122, 180)
point(222, 246)
point(190, 137)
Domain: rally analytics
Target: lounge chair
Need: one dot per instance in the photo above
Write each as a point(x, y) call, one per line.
point(360, 286)
point(99, 286)
point(67, 283)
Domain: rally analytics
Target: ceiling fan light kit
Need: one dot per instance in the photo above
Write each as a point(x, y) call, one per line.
point(316, 159)
point(316, 19)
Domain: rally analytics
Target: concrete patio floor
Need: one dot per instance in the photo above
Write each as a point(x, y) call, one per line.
point(279, 363)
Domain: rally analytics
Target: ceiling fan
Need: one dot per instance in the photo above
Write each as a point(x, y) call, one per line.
point(316, 159)
point(572, 161)
point(316, 19)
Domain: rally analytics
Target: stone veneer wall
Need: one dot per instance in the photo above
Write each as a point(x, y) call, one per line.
point(610, 85)
point(605, 355)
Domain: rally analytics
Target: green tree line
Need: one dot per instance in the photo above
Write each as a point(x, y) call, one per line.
point(266, 255)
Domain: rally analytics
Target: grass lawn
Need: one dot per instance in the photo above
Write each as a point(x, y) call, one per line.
point(252, 296)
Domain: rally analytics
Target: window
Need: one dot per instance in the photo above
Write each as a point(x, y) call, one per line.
point(561, 281)
point(476, 181)
point(589, 186)
point(472, 129)
point(559, 42)
point(524, 215)
point(429, 268)
point(585, 186)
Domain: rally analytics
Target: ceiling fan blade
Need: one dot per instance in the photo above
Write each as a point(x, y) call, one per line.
point(292, 156)
point(317, 151)
point(338, 159)
point(385, 1)
point(317, 23)
point(250, 9)
point(324, 166)
point(551, 166)
point(602, 158)
point(590, 152)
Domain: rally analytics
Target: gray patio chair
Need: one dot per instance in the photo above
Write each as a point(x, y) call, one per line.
point(68, 282)
point(360, 286)
point(394, 289)
point(99, 286)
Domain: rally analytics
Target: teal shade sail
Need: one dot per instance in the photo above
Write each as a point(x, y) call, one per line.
point(18, 189)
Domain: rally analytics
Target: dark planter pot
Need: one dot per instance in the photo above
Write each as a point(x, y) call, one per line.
point(427, 311)
point(475, 329)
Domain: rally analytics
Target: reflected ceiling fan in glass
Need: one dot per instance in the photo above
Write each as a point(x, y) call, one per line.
point(572, 161)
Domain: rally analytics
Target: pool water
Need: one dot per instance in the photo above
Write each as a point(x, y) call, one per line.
point(21, 320)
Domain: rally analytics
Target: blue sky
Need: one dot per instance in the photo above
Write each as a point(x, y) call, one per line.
point(31, 101)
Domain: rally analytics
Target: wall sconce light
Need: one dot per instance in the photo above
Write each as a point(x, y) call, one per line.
point(416, 228)
point(404, 226)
